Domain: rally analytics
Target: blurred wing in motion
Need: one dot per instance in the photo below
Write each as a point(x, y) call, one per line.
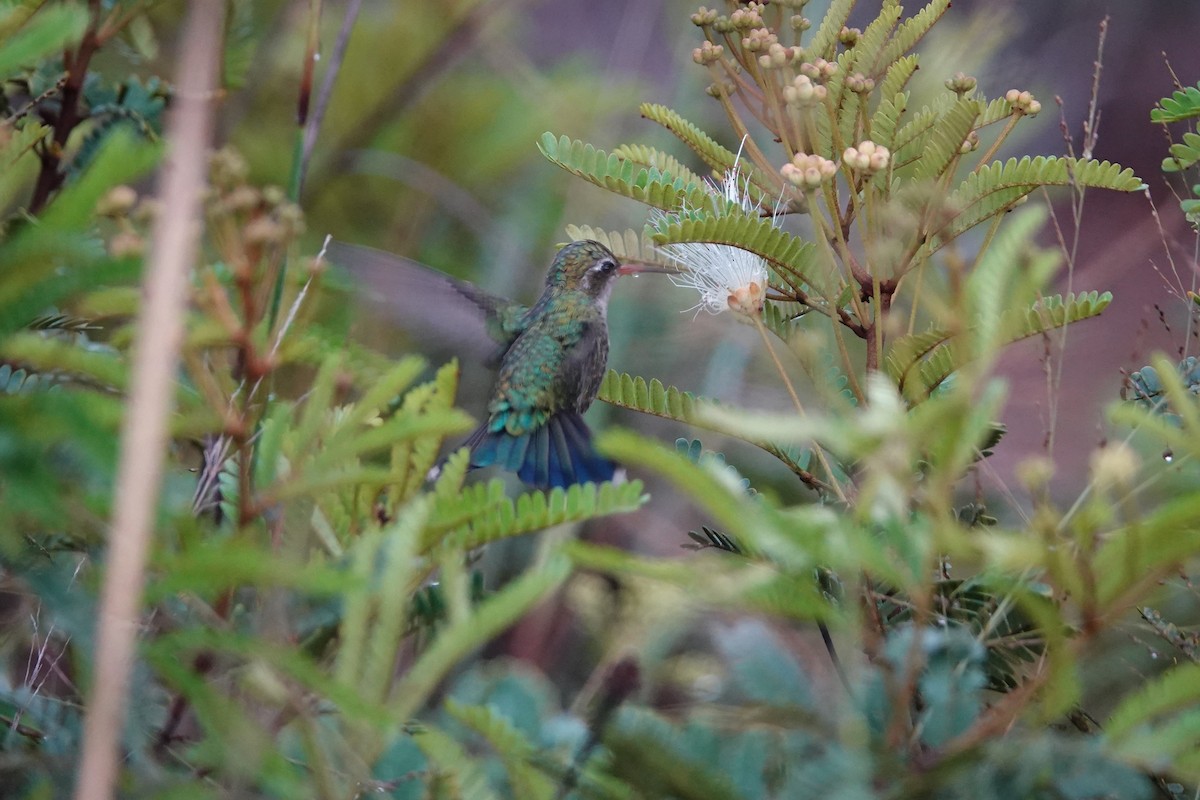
point(424, 300)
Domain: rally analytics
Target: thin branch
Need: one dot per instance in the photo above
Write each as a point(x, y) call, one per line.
point(144, 432)
point(313, 125)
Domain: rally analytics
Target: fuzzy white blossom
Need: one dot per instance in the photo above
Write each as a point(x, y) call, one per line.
point(726, 277)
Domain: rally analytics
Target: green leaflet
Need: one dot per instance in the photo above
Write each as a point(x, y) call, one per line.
point(651, 158)
point(648, 185)
point(787, 253)
point(482, 514)
point(913, 29)
point(994, 188)
point(921, 362)
point(627, 245)
point(714, 154)
point(1184, 104)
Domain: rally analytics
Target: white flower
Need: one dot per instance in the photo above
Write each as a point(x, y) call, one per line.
point(726, 277)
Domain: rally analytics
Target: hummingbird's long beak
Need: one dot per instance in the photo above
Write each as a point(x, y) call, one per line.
point(635, 268)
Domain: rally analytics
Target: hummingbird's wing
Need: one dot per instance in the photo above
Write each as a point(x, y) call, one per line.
point(455, 311)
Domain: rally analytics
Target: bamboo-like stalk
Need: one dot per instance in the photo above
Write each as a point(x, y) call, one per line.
point(151, 400)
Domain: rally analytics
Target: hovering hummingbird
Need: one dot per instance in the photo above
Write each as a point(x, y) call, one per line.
point(552, 358)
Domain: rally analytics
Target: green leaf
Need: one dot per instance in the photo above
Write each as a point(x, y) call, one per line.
point(650, 186)
point(1184, 104)
point(1165, 694)
point(491, 617)
point(627, 245)
point(1184, 154)
point(943, 146)
point(763, 189)
point(651, 158)
point(94, 366)
point(921, 362)
point(913, 29)
point(38, 36)
point(481, 514)
point(121, 157)
point(800, 260)
point(514, 749)
point(718, 157)
point(824, 41)
point(996, 187)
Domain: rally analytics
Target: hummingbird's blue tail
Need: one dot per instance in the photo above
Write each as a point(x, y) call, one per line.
point(558, 453)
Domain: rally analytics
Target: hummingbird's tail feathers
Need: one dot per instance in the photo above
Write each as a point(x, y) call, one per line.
point(558, 453)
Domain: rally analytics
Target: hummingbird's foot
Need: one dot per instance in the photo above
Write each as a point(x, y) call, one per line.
point(619, 476)
point(433, 473)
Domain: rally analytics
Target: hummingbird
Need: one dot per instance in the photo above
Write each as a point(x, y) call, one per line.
point(552, 357)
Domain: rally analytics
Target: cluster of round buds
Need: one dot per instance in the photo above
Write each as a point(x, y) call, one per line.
point(800, 23)
point(704, 17)
point(718, 90)
point(779, 56)
point(803, 92)
point(860, 84)
point(867, 157)
point(748, 299)
point(227, 168)
point(970, 144)
point(1022, 103)
point(808, 171)
point(849, 36)
point(759, 40)
point(819, 69)
point(743, 19)
point(961, 83)
point(707, 53)
point(117, 201)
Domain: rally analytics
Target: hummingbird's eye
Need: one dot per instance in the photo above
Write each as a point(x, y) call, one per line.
point(607, 266)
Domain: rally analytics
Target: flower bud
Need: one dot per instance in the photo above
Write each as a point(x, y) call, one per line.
point(860, 84)
point(748, 299)
point(1114, 465)
point(807, 171)
point(704, 17)
point(743, 19)
point(849, 36)
point(707, 53)
point(758, 40)
point(117, 201)
point(867, 157)
point(1023, 103)
point(960, 83)
point(227, 168)
point(126, 243)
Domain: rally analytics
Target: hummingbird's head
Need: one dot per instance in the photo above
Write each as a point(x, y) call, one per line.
point(585, 266)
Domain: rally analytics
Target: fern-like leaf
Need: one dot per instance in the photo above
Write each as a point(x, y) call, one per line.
point(1184, 154)
point(1182, 105)
point(868, 50)
point(913, 29)
point(762, 189)
point(997, 186)
point(502, 518)
point(510, 744)
point(825, 39)
point(627, 245)
point(652, 158)
point(650, 186)
point(886, 118)
point(787, 253)
point(942, 357)
point(897, 76)
point(944, 143)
